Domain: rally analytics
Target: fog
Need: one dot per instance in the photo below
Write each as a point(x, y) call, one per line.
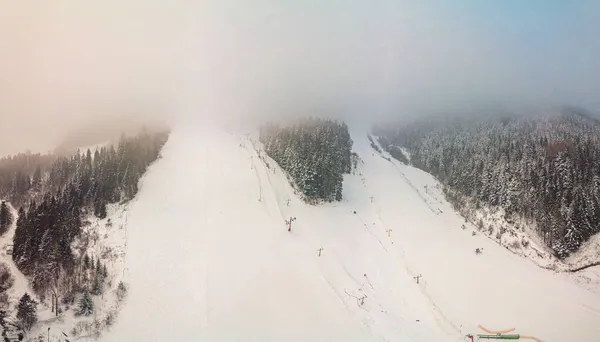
point(72, 66)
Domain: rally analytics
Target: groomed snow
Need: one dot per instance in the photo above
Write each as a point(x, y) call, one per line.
point(497, 288)
point(207, 261)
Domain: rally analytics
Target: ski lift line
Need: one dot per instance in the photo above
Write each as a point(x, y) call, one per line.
point(413, 187)
point(359, 301)
point(371, 232)
point(252, 150)
point(368, 281)
point(438, 312)
point(351, 294)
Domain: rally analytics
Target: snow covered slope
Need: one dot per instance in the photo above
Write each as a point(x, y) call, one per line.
point(497, 288)
point(209, 258)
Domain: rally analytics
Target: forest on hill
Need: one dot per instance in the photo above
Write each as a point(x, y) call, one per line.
point(315, 153)
point(544, 169)
point(55, 195)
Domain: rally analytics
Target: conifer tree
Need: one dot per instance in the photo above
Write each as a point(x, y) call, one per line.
point(6, 218)
point(314, 152)
point(86, 305)
point(27, 311)
point(72, 186)
point(37, 177)
point(543, 169)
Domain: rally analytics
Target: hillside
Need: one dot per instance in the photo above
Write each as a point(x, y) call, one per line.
point(65, 240)
point(315, 154)
point(210, 257)
point(541, 173)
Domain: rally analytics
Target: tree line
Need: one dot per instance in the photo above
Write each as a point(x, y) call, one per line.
point(544, 169)
point(74, 187)
point(315, 153)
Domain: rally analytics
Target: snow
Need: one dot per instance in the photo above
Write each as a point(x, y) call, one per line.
point(99, 238)
point(209, 258)
point(588, 254)
point(496, 289)
point(21, 284)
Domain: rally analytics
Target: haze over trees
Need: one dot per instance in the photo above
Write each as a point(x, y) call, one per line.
point(21, 176)
point(545, 169)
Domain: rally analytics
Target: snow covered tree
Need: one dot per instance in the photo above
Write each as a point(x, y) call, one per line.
point(27, 311)
point(6, 278)
point(98, 285)
point(100, 208)
point(36, 180)
point(86, 305)
point(121, 291)
point(72, 186)
point(314, 152)
point(533, 167)
point(6, 217)
point(3, 318)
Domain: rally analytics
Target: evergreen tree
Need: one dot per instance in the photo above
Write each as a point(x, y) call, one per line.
point(98, 285)
point(72, 185)
point(121, 291)
point(86, 262)
point(6, 218)
point(314, 152)
point(27, 311)
point(533, 168)
point(86, 305)
point(37, 177)
point(3, 319)
point(100, 208)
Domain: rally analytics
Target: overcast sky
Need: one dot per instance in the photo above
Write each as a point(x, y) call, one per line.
point(67, 63)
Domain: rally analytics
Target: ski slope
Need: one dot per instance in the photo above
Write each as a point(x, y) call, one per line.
point(209, 258)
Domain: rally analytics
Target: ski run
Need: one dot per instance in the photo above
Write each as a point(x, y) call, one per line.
point(210, 256)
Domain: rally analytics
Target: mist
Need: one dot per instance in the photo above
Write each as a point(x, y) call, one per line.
point(69, 66)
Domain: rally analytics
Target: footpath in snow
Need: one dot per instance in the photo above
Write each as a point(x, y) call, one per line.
point(209, 258)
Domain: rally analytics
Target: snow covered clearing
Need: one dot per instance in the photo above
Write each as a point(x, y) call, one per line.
point(209, 258)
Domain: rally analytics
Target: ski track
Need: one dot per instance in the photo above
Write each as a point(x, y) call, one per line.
point(208, 261)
